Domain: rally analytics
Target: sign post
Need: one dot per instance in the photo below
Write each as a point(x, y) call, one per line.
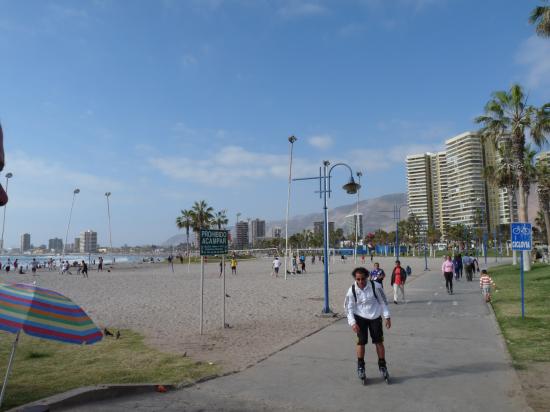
point(522, 240)
point(212, 242)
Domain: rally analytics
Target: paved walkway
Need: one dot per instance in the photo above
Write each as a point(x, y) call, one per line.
point(444, 354)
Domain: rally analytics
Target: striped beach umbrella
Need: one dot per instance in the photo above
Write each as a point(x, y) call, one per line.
point(45, 314)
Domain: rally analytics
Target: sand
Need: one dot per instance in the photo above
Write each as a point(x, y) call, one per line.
point(264, 314)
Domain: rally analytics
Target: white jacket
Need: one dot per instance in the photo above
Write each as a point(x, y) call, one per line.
point(367, 305)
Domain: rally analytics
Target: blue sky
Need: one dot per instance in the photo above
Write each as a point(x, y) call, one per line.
point(167, 102)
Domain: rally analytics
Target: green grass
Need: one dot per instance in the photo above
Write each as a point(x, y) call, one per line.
point(43, 368)
point(528, 339)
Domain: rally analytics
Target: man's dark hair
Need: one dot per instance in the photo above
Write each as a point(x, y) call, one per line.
point(360, 270)
point(398, 261)
point(484, 271)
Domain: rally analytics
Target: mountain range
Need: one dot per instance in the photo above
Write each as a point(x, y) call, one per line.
point(377, 214)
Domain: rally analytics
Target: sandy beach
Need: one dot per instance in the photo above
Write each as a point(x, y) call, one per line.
point(264, 314)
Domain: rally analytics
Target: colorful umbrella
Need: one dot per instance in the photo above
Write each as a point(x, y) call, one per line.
point(45, 314)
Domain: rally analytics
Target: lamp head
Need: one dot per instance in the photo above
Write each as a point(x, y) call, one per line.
point(76, 191)
point(9, 175)
point(108, 194)
point(292, 139)
point(351, 187)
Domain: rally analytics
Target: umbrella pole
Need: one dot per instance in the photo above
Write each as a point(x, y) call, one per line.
point(9, 366)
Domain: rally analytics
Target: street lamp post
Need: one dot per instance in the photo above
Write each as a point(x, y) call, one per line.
point(359, 174)
point(8, 177)
point(397, 217)
point(291, 140)
point(75, 192)
point(107, 195)
point(324, 188)
point(426, 249)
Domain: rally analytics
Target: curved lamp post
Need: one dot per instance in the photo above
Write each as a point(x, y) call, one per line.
point(8, 177)
point(107, 195)
point(75, 192)
point(291, 140)
point(325, 188)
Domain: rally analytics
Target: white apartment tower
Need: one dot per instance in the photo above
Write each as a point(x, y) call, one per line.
point(419, 197)
point(88, 242)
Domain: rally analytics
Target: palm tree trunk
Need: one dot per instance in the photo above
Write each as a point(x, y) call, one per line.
point(511, 196)
point(188, 254)
point(546, 214)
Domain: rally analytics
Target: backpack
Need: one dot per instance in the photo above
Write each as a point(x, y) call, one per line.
point(408, 270)
point(373, 291)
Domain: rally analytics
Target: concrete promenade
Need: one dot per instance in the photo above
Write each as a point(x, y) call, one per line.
point(444, 353)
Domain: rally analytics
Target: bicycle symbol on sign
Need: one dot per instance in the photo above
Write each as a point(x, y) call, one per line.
point(524, 230)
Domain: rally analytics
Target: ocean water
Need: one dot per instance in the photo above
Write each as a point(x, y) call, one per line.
point(107, 259)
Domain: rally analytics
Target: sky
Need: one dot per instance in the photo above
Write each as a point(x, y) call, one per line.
point(163, 103)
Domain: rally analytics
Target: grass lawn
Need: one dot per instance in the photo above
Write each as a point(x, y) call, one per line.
point(43, 368)
point(528, 339)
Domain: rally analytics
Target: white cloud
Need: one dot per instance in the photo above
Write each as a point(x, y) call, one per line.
point(322, 142)
point(228, 166)
point(189, 60)
point(373, 160)
point(534, 55)
point(299, 8)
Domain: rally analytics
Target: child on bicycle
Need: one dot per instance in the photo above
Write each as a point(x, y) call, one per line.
point(485, 283)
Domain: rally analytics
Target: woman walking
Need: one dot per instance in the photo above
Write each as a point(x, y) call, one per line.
point(448, 268)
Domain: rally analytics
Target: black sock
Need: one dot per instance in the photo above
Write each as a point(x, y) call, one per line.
point(381, 362)
point(361, 362)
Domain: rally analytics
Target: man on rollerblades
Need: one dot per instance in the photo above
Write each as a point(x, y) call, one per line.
point(365, 306)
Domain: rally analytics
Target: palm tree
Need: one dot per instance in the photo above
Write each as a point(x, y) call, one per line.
point(503, 174)
point(540, 16)
point(203, 215)
point(541, 223)
point(220, 218)
point(185, 221)
point(508, 114)
point(543, 191)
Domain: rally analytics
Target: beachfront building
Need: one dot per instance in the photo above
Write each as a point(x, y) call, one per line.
point(419, 197)
point(350, 222)
point(241, 235)
point(276, 232)
point(318, 227)
point(257, 231)
point(88, 242)
point(55, 245)
point(25, 242)
point(76, 246)
point(544, 157)
point(449, 188)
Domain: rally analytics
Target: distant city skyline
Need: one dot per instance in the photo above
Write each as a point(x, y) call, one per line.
point(165, 103)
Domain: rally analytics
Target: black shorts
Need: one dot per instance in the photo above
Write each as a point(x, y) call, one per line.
point(373, 326)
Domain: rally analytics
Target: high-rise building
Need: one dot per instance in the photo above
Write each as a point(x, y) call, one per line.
point(318, 227)
point(419, 198)
point(449, 188)
point(276, 232)
point(544, 157)
point(25, 242)
point(88, 242)
point(76, 246)
point(241, 238)
point(55, 245)
point(257, 230)
point(349, 225)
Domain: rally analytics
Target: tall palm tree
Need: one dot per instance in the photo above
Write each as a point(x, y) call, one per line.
point(543, 191)
point(508, 114)
point(185, 221)
point(503, 174)
point(220, 219)
point(540, 16)
point(203, 215)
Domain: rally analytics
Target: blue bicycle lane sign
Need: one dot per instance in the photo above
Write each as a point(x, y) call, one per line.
point(522, 236)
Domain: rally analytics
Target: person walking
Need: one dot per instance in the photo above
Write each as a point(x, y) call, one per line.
point(303, 263)
point(457, 262)
point(84, 269)
point(365, 305)
point(276, 266)
point(377, 274)
point(468, 264)
point(485, 283)
point(398, 279)
point(100, 264)
point(234, 266)
point(448, 268)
